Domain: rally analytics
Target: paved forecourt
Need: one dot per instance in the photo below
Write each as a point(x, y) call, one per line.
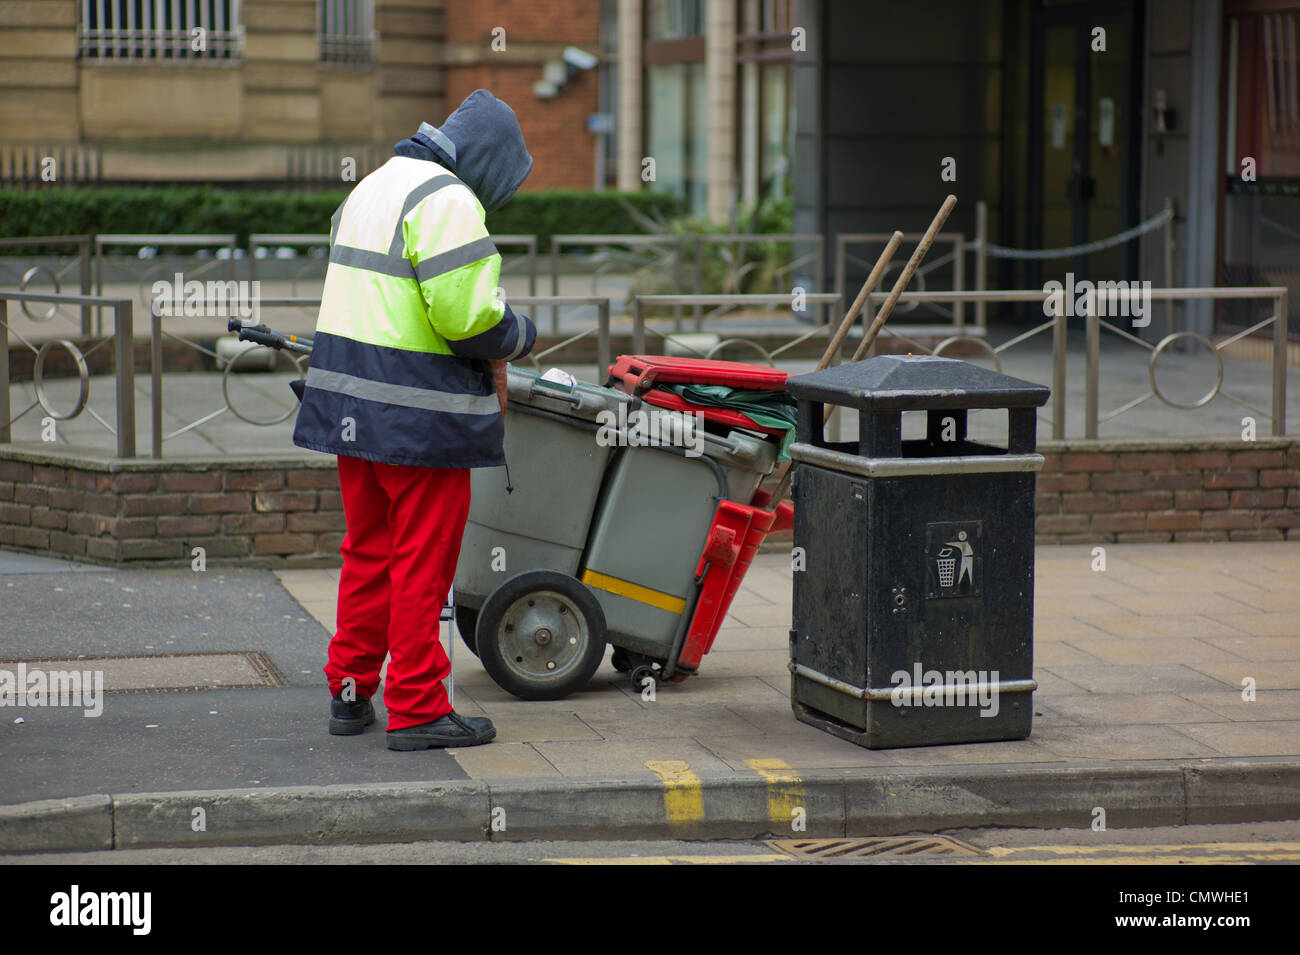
point(1169, 693)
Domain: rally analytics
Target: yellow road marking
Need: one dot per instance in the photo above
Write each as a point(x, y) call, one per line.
point(784, 790)
point(625, 588)
point(1210, 854)
point(1217, 853)
point(673, 860)
point(1154, 849)
point(683, 798)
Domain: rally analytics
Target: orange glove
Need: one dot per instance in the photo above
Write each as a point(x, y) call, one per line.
point(499, 380)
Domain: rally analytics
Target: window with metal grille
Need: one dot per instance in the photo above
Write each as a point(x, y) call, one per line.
point(180, 31)
point(347, 31)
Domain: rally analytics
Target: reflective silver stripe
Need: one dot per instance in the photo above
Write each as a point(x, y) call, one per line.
point(403, 395)
point(457, 258)
point(439, 137)
point(911, 694)
point(372, 261)
point(398, 245)
point(907, 467)
point(521, 337)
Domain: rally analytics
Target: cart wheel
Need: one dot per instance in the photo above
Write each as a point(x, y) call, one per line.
point(542, 635)
point(620, 660)
point(639, 674)
point(467, 624)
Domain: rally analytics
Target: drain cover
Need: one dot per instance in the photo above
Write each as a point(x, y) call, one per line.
point(162, 672)
point(873, 847)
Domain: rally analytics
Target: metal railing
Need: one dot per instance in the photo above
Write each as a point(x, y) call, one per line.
point(83, 243)
point(123, 341)
point(228, 241)
point(630, 243)
point(267, 240)
point(1057, 323)
point(604, 350)
point(736, 268)
point(123, 310)
point(956, 256)
point(529, 244)
point(980, 245)
point(641, 302)
point(1094, 326)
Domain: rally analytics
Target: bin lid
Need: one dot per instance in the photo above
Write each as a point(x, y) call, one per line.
point(581, 400)
point(915, 382)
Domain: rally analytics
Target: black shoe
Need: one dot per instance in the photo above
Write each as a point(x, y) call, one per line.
point(350, 719)
point(452, 730)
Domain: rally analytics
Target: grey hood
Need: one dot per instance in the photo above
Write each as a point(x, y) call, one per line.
point(485, 146)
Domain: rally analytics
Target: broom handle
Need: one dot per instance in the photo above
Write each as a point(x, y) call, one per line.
point(908, 270)
point(868, 287)
point(864, 293)
point(869, 338)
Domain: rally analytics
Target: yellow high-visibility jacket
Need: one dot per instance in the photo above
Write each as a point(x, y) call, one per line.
point(409, 317)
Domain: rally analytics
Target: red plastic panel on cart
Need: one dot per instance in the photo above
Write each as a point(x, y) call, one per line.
point(740, 529)
point(642, 371)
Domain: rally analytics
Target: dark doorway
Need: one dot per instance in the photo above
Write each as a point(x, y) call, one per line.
point(1085, 129)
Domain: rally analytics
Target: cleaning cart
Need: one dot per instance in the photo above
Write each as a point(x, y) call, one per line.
point(610, 535)
point(633, 514)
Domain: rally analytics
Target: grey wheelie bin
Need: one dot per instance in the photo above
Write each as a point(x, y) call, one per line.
point(599, 541)
point(913, 610)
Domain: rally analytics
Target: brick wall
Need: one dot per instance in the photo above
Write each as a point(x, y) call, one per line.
point(1169, 490)
point(281, 513)
point(535, 31)
point(284, 512)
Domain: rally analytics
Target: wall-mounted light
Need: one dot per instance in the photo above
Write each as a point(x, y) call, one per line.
point(557, 73)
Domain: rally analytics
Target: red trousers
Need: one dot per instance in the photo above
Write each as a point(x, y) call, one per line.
point(399, 557)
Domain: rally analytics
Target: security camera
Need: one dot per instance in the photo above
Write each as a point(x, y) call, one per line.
point(579, 59)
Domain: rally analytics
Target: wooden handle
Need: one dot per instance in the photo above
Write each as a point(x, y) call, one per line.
point(868, 287)
point(922, 248)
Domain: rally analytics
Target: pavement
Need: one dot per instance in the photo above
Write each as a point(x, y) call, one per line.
point(213, 732)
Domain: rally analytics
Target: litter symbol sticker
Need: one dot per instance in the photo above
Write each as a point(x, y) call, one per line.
point(953, 559)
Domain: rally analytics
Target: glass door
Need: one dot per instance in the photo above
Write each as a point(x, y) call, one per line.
point(1084, 127)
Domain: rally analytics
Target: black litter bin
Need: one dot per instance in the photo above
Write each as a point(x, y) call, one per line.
point(914, 561)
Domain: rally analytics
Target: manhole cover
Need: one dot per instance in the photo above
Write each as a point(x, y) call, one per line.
point(156, 673)
point(873, 847)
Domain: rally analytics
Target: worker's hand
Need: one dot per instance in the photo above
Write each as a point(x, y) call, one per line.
point(499, 381)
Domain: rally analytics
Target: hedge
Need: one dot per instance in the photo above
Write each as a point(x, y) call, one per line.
point(199, 210)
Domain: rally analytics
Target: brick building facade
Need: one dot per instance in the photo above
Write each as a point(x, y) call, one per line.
point(503, 46)
point(282, 91)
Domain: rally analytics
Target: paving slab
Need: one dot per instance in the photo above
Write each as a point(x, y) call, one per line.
point(1140, 693)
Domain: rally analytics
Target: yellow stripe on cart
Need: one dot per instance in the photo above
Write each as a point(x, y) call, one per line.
point(625, 588)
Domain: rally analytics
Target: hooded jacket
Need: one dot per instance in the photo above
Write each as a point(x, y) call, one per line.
point(410, 312)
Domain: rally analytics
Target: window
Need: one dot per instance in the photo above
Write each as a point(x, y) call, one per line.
point(347, 31)
point(176, 31)
point(1261, 204)
point(672, 19)
point(677, 130)
point(766, 114)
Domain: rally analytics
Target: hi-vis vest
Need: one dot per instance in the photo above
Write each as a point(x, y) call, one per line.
point(408, 317)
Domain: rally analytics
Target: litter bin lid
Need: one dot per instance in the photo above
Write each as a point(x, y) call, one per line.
point(580, 400)
point(913, 383)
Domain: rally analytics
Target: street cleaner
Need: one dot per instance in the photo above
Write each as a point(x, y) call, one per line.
point(407, 387)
